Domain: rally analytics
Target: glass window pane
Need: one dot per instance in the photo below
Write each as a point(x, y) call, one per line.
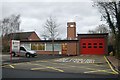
point(48, 47)
point(84, 43)
point(84, 47)
point(95, 46)
point(34, 46)
point(89, 47)
point(41, 46)
point(57, 47)
point(89, 43)
point(100, 44)
point(100, 47)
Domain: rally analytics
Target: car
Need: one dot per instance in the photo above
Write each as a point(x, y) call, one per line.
point(24, 52)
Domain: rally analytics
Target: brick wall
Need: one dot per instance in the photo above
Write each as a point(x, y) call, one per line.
point(72, 48)
point(71, 32)
point(34, 37)
point(47, 52)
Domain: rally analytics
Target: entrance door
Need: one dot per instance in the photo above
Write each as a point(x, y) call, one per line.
point(64, 48)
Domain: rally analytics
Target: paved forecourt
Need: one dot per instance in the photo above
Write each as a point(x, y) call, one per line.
point(87, 64)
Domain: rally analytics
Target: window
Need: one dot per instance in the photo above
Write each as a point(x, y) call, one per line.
point(48, 47)
point(100, 47)
point(41, 47)
point(38, 46)
point(100, 44)
point(34, 46)
point(89, 46)
point(95, 46)
point(84, 47)
point(22, 48)
point(89, 43)
point(57, 47)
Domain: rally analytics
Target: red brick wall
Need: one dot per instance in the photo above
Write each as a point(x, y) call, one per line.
point(34, 36)
point(71, 32)
point(72, 48)
point(47, 52)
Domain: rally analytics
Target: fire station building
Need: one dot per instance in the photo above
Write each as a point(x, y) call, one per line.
point(90, 44)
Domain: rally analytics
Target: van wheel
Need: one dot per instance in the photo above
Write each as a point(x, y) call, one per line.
point(27, 55)
point(13, 54)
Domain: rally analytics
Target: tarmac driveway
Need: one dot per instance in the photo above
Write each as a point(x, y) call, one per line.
point(87, 64)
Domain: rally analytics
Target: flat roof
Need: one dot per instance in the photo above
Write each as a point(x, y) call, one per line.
point(49, 41)
point(94, 34)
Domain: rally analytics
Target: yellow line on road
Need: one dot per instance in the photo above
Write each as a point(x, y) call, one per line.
point(94, 71)
point(36, 68)
point(110, 66)
point(109, 72)
point(55, 69)
point(99, 71)
point(11, 66)
point(48, 67)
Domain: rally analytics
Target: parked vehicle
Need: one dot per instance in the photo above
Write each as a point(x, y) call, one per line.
point(24, 52)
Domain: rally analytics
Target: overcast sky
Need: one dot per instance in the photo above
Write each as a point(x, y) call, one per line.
point(34, 14)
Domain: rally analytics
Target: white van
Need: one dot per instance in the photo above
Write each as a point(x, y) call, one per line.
point(24, 52)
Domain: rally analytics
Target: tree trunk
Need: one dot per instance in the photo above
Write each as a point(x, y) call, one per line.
point(118, 45)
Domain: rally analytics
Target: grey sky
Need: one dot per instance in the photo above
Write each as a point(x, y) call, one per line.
point(34, 14)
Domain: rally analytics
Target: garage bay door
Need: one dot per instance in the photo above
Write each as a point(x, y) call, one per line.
point(92, 46)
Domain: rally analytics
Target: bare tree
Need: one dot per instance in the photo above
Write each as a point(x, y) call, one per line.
point(110, 12)
point(51, 27)
point(91, 31)
point(100, 29)
point(10, 24)
point(45, 35)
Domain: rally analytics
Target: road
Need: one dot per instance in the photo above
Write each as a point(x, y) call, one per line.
point(48, 66)
point(15, 73)
point(7, 59)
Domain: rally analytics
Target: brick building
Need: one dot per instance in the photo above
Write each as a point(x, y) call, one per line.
point(95, 44)
point(27, 36)
point(90, 44)
point(22, 36)
point(64, 47)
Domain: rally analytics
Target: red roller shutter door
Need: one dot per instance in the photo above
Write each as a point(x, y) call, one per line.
point(92, 46)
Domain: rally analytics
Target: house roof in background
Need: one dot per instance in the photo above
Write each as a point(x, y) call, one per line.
point(20, 35)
